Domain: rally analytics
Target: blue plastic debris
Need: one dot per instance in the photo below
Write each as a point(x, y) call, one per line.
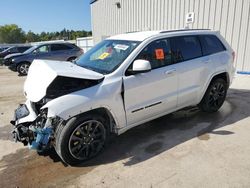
point(42, 138)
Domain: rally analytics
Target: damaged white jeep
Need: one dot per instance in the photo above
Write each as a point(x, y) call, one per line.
point(122, 82)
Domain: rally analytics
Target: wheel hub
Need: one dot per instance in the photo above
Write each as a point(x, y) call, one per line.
point(88, 139)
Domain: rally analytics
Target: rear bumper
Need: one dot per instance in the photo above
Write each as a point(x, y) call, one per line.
point(232, 75)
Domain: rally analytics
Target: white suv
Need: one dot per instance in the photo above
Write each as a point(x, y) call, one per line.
point(124, 81)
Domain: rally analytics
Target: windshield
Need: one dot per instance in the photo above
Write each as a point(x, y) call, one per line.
point(107, 56)
point(6, 50)
point(30, 50)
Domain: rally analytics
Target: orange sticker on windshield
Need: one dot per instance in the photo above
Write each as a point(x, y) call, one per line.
point(103, 55)
point(159, 53)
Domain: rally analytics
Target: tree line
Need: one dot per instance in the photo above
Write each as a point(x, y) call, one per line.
point(14, 34)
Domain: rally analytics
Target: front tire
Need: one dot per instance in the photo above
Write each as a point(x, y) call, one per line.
point(214, 96)
point(81, 139)
point(23, 68)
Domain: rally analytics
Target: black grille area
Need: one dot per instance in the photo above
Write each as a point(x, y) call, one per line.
point(65, 85)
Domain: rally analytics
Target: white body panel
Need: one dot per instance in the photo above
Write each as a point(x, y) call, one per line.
point(149, 94)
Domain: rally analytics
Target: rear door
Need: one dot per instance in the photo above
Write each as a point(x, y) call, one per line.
point(153, 93)
point(192, 68)
point(60, 52)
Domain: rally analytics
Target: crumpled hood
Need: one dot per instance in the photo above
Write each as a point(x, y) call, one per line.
point(42, 73)
point(13, 55)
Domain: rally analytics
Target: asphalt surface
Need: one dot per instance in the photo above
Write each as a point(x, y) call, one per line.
point(185, 149)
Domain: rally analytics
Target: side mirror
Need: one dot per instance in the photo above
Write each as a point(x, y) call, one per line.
point(141, 66)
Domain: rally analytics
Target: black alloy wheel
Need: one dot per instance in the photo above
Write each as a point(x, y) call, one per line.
point(87, 140)
point(214, 96)
point(217, 95)
point(82, 138)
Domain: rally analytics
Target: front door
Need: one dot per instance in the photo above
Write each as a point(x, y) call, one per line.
point(151, 94)
point(43, 52)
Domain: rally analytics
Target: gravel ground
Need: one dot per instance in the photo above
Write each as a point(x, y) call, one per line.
point(185, 149)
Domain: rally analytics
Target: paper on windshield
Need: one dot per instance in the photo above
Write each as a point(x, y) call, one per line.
point(103, 55)
point(121, 47)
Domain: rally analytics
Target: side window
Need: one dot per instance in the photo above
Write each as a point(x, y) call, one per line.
point(211, 44)
point(157, 53)
point(185, 48)
point(42, 49)
point(58, 47)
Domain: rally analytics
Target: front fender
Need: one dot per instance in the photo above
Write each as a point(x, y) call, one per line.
point(101, 96)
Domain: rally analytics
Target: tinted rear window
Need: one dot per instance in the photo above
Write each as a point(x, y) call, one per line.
point(185, 48)
point(57, 47)
point(211, 44)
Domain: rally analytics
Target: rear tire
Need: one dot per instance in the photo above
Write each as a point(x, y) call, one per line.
point(82, 138)
point(214, 96)
point(23, 68)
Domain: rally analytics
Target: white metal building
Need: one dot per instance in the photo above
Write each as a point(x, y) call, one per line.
point(85, 43)
point(230, 17)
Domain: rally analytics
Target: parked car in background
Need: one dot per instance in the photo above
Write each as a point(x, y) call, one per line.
point(122, 82)
point(3, 48)
point(14, 50)
point(53, 51)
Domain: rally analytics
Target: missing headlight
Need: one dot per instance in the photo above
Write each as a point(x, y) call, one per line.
point(21, 111)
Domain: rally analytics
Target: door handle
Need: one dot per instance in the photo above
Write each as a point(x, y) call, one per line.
point(170, 72)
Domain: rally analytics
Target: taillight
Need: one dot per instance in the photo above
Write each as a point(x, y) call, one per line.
point(233, 54)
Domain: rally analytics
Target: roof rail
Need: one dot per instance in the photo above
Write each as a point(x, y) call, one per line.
point(92, 1)
point(176, 30)
point(132, 32)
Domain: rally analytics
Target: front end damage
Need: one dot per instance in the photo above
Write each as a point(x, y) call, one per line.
point(46, 81)
point(33, 127)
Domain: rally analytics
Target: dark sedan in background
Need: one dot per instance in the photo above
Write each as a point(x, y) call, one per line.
point(13, 50)
point(53, 51)
point(3, 48)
